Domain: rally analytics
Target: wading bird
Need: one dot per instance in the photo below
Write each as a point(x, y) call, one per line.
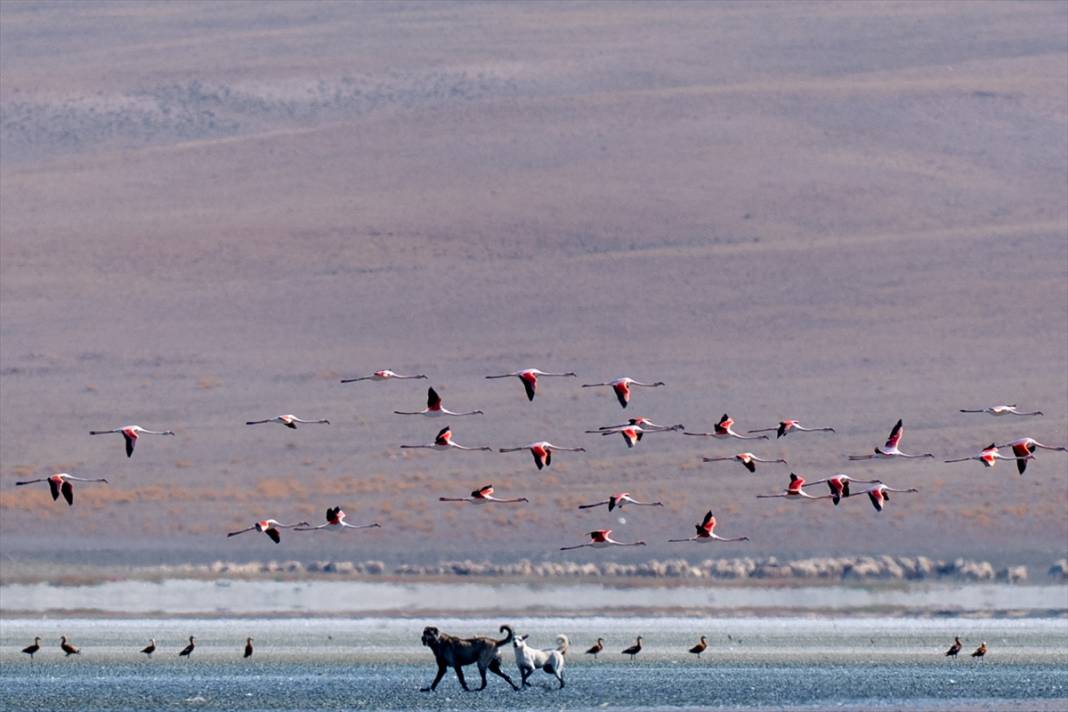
point(880, 495)
point(131, 433)
point(150, 648)
point(955, 648)
point(434, 408)
point(542, 451)
point(632, 434)
point(482, 495)
point(270, 527)
point(60, 483)
point(1023, 447)
point(600, 539)
point(188, 650)
point(443, 441)
point(786, 427)
point(980, 651)
point(839, 485)
point(890, 448)
point(335, 522)
point(794, 490)
point(31, 650)
point(248, 647)
point(634, 649)
point(596, 648)
point(622, 386)
point(529, 378)
point(723, 430)
point(67, 648)
point(1001, 410)
point(747, 459)
point(383, 375)
point(289, 420)
point(700, 647)
point(989, 456)
point(617, 501)
point(706, 531)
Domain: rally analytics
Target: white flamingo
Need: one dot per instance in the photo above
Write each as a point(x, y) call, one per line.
point(617, 501)
point(529, 378)
point(483, 495)
point(785, 427)
point(60, 483)
point(383, 375)
point(632, 434)
point(542, 451)
point(1022, 447)
point(289, 420)
point(879, 495)
point(989, 456)
point(131, 433)
point(443, 441)
point(335, 522)
point(644, 423)
point(622, 386)
point(890, 448)
point(270, 527)
point(434, 408)
point(600, 539)
point(723, 430)
point(839, 485)
point(747, 459)
point(1000, 410)
point(794, 490)
point(706, 532)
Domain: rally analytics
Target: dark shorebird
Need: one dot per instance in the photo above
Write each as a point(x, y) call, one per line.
point(67, 647)
point(150, 648)
point(980, 651)
point(248, 647)
point(954, 649)
point(700, 647)
point(596, 648)
point(188, 650)
point(31, 650)
point(634, 649)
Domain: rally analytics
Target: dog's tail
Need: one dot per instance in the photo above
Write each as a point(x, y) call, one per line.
point(508, 639)
point(562, 644)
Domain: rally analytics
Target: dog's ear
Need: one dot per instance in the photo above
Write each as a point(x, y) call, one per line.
point(524, 637)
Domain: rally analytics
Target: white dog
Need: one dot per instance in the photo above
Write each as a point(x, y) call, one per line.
point(530, 659)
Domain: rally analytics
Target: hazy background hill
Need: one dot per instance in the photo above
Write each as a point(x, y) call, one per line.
point(843, 213)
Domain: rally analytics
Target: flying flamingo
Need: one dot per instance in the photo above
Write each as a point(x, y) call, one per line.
point(335, 522)
point(289, 420)
point(890, 449)
point(706, 531)
point(529, 377)
point(839, 485)
point(131, 433)
point(645, 423)
point(723, 431)
point(617, 501)
point(794, 490)
point(1000, 410)
point(622, 387)
point(786, 427)
point(483, 495)
point(600, 539)
point(747, 459)
point(434, 408)
point(989, 456)
point(60, 483)
point(270, 527)
point(443, 441)
point(880, 495)
point(383, 375)
point(542, 451)
point(632, 434)
point(1023, 447)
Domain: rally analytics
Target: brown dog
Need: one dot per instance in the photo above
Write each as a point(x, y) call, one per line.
point(450, 651)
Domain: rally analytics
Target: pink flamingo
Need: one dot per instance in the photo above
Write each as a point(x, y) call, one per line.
point(632, 434)
point(794, 490)
point(443, 441)
point(270, 527)
point(706, 531)
point(617, 501)
point(989, 456)
point(839, 485)
point(600, 539)
point(1023, 447)
point(1000, 410)
point(383, 375)
point(335, 522)
point(483, 495)
point(622, 386)
point(723, 430)
point(880, 495)
point(747, 459)
point(61, 483)
point(434, 408)
point(529, 378)
point(130, 433)
point(542, 451)
point(890, 449)
point(786, 427)
point(644, 423)
point(289, 420)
